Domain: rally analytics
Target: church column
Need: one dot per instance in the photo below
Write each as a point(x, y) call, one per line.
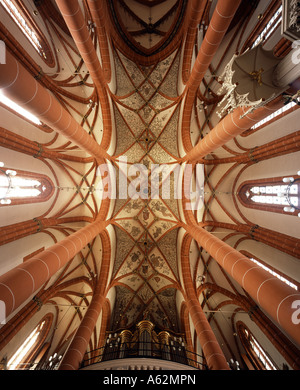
point(99, 15)
point(211, 349)
point(15, 324)
point(220, 21)
point(228, 128)
point(75, 353)
point(195, 14)
point(18, 284)
point(279, 147)
point(77, 26)
point(16, 231)
point(18, 85)
point(283, 344)
point(274, 296)
point(78, 347)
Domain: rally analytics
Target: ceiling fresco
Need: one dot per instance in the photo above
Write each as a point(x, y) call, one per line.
point(152, 105)
point(146, 108)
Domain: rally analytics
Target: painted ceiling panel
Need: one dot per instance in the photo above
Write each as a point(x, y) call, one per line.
point(146, 119)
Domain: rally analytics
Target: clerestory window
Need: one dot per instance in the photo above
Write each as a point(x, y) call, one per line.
point(270, 27)
point(268, 23)
point(285, 279)
point(21, 16)
point(23, 358)
point(258, 356)
point(274, 194)
point(19, 187)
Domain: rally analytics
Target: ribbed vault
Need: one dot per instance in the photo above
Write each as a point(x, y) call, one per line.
point(133, 84)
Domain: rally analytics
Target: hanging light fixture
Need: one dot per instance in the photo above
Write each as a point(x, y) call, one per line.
point(247, 81)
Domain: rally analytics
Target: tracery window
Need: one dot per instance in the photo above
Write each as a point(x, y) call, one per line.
point(19, 187)
point(272, 194)
point(258, 356)
point(22, 17)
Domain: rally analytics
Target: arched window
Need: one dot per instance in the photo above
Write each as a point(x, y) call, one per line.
point(255, 352)
point(22, 17)
point(20, 187)
point(26, 353)
point(266, 26)
point(274, 194)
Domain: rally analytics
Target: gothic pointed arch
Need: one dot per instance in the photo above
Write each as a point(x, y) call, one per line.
point(278, 195)
point(23, 187)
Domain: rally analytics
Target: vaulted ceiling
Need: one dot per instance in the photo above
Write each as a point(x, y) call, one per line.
point(145, 269)
point(146, 80)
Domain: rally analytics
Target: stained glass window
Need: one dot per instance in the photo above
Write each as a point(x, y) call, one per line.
point(19, 187)
point(270, 195)
point(274, 194)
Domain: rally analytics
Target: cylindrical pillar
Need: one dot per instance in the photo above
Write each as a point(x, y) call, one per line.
point(13, 141)
point(18, 284)
point(220, 21)
point(99, 15)
point(274, 296)
point(18, 85)
point(19, 230)
point(76, 23)
point(195, 14)
point(77, 349)
point(211, 349)
point(75, 353)
point(228, 128)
